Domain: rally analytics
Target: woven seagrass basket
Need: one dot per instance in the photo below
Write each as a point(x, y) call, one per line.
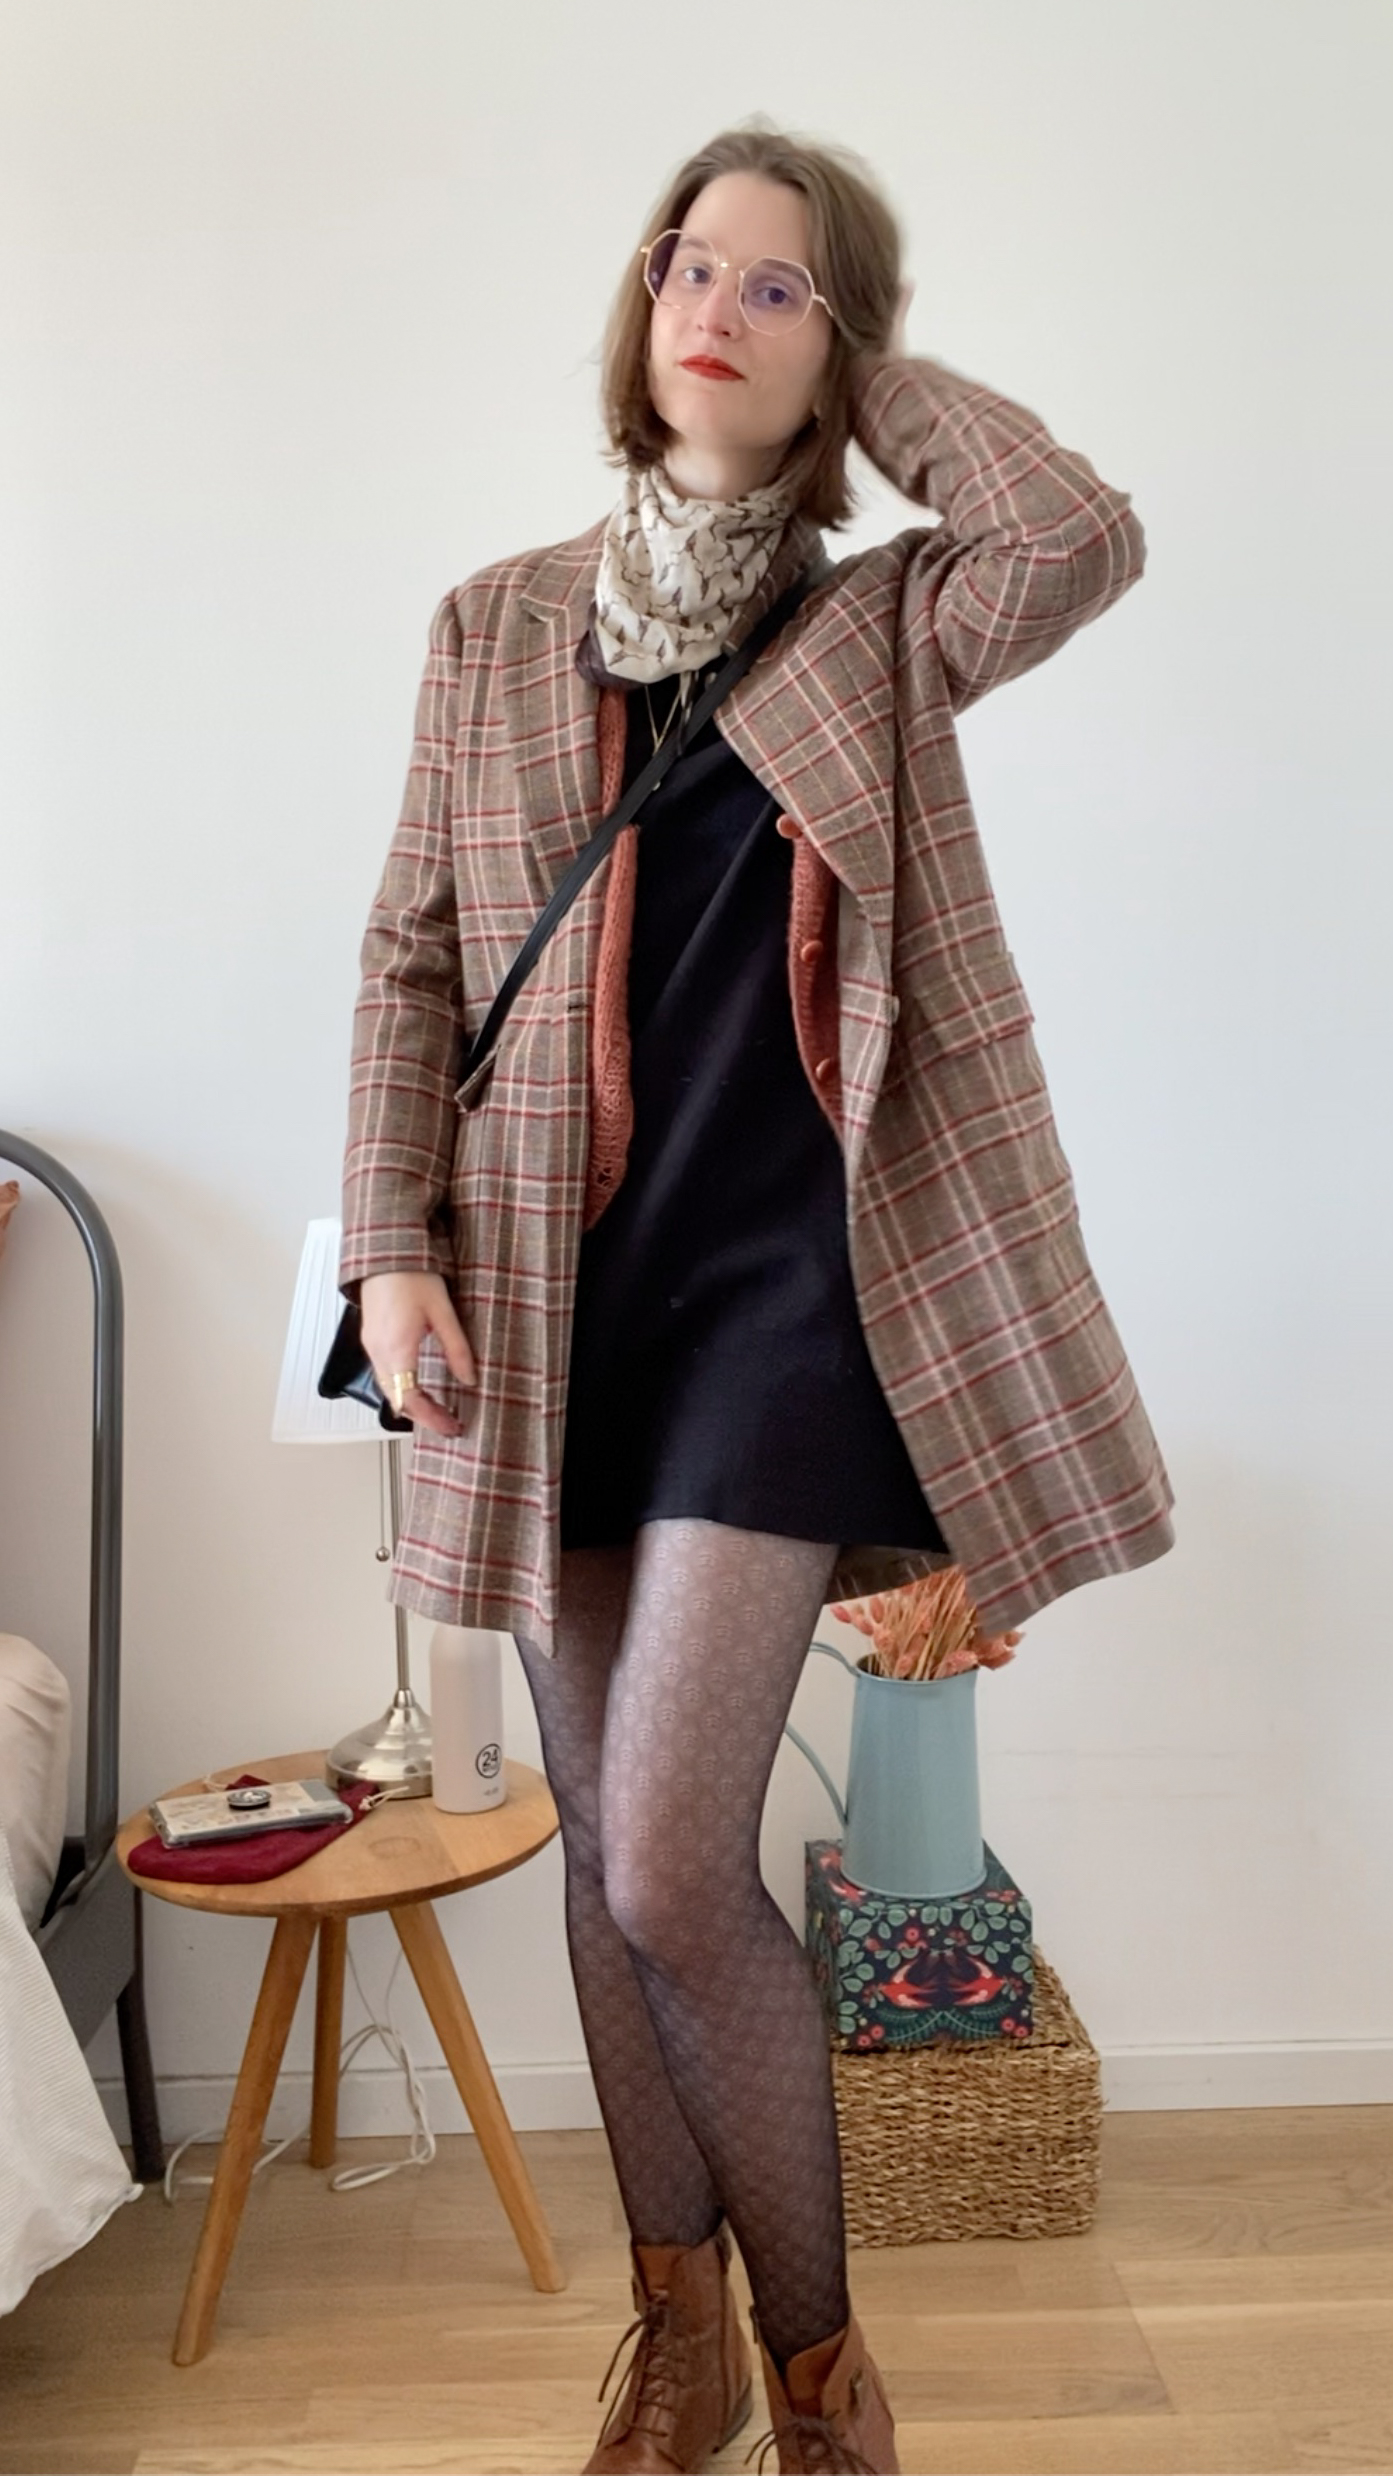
point(949, 2139)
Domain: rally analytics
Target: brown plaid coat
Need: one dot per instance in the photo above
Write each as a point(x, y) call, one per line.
point(982, 1315)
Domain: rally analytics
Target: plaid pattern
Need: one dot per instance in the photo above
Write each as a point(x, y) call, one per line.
point(982, 1315)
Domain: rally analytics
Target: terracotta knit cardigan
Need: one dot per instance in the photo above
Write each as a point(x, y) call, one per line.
point(812, 974)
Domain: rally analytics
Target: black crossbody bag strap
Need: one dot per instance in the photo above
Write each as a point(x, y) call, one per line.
point(479, 1063)
point(347, 1372)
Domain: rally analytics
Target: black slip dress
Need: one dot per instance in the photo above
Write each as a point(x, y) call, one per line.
point(718, 1364)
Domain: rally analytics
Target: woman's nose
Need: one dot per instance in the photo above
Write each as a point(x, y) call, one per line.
point(720, 309)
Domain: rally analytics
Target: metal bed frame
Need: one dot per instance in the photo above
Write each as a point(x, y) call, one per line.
point(90, 1933)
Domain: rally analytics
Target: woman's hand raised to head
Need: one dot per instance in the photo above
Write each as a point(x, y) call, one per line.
point(398, 1309)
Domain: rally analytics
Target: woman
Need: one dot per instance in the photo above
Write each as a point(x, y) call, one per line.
point(752, 1274)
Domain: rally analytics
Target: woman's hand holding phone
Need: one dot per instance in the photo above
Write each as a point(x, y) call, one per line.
point(399, 1308)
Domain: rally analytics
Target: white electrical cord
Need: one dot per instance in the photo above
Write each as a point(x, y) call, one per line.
point(421, 2148)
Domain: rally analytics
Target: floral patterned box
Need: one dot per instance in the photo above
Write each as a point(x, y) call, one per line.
point(895, 1973)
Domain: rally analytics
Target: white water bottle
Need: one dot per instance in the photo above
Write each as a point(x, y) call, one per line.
point(466, 1719)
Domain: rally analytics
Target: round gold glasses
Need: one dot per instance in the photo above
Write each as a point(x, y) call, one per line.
point(775, 294)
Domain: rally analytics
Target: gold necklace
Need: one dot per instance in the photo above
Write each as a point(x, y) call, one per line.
point(679, 703)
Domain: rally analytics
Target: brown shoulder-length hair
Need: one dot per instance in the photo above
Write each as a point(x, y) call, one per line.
point(855, 247)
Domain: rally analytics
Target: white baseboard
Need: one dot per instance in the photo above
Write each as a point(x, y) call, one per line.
point(1337, 2072)
point(560, 2097)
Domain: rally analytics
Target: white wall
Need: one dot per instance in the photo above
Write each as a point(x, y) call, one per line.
point(302, 308)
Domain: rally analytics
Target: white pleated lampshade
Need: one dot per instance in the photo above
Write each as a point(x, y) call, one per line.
point(302, 1416)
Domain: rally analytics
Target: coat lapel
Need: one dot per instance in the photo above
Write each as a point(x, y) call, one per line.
point(552, 709)
point(814, 719)
point(790, 718)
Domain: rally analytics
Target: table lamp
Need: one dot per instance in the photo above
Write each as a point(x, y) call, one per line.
point(393, 1751)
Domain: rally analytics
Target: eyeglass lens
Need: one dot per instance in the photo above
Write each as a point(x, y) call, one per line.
point(774, 293)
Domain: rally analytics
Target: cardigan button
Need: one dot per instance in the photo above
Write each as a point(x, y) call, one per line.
point(823, 1069)
point(810, 950)
point(789, 827)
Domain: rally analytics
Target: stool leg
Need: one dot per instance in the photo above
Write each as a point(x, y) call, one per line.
point(328, 2039)
point(431, 1966)
point(275, 2008)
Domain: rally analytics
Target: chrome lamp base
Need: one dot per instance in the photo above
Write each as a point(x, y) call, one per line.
point(392, 1752)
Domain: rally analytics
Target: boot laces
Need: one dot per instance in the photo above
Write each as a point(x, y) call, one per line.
point(820, 2447)
point(654, 2391)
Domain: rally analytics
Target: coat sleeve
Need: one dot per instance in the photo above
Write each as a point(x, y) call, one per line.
point(1033, 544)
point(408, 1021)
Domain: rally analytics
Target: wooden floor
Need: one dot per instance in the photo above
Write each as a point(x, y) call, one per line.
point(1231, 2308)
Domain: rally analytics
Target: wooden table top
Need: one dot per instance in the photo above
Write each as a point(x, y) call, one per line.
point(402, 1851)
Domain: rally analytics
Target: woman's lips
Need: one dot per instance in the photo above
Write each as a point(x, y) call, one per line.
point(701, 368)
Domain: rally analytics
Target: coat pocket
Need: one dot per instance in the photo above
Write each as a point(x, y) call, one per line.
point(949, 1007)
point(536, 1013)
point(964, 1128)
point(469, 1093)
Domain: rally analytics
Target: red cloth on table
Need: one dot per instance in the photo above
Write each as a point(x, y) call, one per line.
point(251, 1860)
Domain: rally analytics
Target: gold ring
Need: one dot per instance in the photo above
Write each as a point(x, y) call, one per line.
point(403, 1382)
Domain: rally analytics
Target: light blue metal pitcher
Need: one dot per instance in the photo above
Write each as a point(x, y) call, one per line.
point(912, 1823)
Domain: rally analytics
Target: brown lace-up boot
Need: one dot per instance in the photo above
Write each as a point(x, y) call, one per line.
point(690, 2381)
point(829, 2408)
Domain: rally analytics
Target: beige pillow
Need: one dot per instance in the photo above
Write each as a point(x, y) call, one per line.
point(35, 1743)
point(9, 1197)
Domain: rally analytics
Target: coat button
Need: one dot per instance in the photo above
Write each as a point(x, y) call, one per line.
point(823, 1069)
point(810, 950)
point(789, 827)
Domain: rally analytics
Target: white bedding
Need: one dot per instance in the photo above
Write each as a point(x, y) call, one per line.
point(61, 2172)
point(35, 1742)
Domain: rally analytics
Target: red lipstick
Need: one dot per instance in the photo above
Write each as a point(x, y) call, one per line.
point(707, 367)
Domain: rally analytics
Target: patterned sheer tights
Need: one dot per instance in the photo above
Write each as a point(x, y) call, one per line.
point(660, 1714)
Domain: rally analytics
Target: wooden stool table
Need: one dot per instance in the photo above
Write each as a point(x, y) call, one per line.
point(399, 1857)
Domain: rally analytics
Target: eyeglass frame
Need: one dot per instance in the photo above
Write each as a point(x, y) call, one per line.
point(680, 233)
